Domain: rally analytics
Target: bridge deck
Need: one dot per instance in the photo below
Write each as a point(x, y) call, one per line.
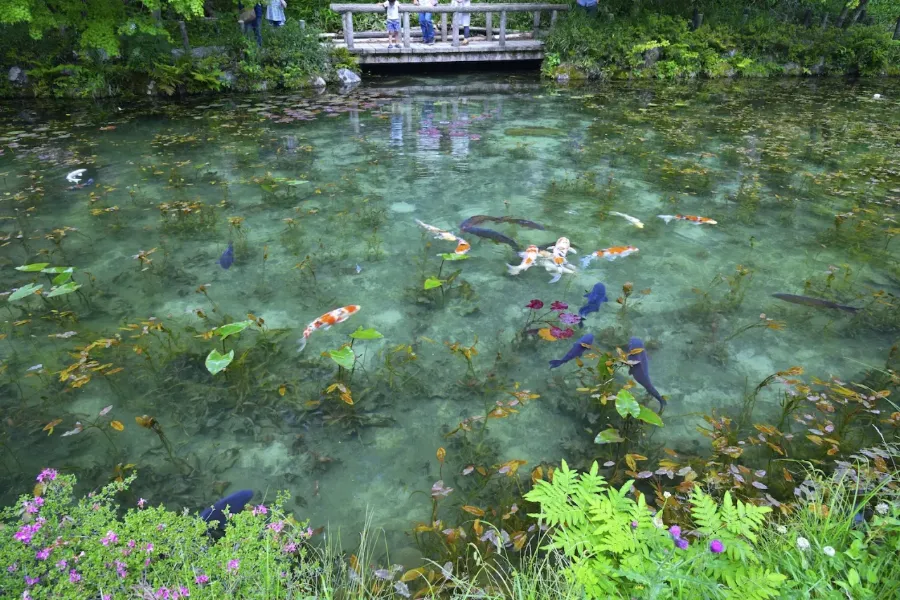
point(376, 52)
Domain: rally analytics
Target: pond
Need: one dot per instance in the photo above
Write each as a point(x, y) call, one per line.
point(320, 196)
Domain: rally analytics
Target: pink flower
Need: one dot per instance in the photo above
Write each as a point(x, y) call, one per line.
point(44, 554)
point(162, 593)
point(716, 547)
point(148, 547)
point(74, 577)
point(185, 593)
point(38, 501)
point(32, 580)
point(535, 304)
point(62, 564)
point(259, 510)
point(109, 538)
point(141, 502)
point(290, 548)
point(13, 567)
point(201, 579)
point(277, 526)
point(161, 526)
point(561, 334)
point(557, 305)
point(569, 318)
point(47, 475)
point(234, 564)
point(131, 543)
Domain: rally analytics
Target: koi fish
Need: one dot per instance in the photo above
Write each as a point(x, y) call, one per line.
point(560, 249)
point(234, 503)
point(552, 264)
point(227, 258)
point(439, 234)
point(636, 222)
point(693, 219)
point(595, 298)
point(469, 226)
point(817, 302)
point(338, 315)
point(641, 370)
point(75, 176)
point(609, 254)
point(577, 350)
point(529, 257)
point(462, 246)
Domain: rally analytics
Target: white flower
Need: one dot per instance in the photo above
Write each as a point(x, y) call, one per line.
point(882, 508)
point(828, 550)
point(667, 495)
point(802, 543)
point(781, 529)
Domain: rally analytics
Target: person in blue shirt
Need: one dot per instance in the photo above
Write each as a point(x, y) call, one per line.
point(589, 6)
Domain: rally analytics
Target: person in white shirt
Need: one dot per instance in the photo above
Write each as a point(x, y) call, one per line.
point(425, 20)
point(464, 19)
point(393, 21)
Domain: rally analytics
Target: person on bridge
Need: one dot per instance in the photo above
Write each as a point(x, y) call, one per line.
point(426, 21)
point(393, 21)
point(275, 12)
point(464, 19)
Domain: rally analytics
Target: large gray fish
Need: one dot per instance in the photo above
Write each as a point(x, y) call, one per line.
point(641, 371)
point(469, 226)
point(815, 302)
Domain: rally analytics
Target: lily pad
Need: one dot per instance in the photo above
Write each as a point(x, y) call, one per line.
point(64, 289)
point(343, 357)
point(626, 404)
point(451, 256)
point(32, 268)
point(366, 334)
point(217, 361)
point(25, 290)
point(232, 328)
point(648, 416)
point(608, 436)
point(432, 282)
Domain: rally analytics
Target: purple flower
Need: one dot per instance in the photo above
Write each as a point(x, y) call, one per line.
point(290, 548)
point(535, 304)
point(38, 501)
point(277, 526)
point(634, 524)
point(44, 554)
point(32, 580)
point(131, 543)
point(234, 564)
point(162, 593)
point(675, 530)
point(149, 547)
point(716, 547)
point(185, 593)
point(109, 538)
point(681, 543)
point(557, 305)
point(74, 577)
point(569, 318)
point(161, 526)
point(201, 579)
point(47, 475)
point(62, 564)
point(259, 510)
point(561, 334)
point(13, 567)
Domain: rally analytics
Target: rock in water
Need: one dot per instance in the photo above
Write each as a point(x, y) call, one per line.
point(348, 77)
point(17, 75)
point(317, 82)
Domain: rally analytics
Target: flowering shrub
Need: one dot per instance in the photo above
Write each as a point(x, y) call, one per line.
point(53, 546)
point(619, 548)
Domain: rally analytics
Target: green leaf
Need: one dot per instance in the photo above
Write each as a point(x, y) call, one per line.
point(32, 268)
point(648, 416)
point(232, 328)
point(451, 256)
point(64, 276)
point(55, 270)
point(365, 334)
point(608, 436)
point(626, 404)
point(25, 290)
point(216, 361)
point(343, 357)
point(64, 289)
point(853, 577)
point(296, 181)
point(432, 282)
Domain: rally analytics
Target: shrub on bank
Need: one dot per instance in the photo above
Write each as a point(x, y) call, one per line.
point(662, 46)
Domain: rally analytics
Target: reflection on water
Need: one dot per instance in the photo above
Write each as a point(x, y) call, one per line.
point(320, 197)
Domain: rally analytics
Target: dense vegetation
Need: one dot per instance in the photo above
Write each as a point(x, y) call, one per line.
point(711, 39)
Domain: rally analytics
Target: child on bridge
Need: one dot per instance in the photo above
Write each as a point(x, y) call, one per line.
point(393, 22)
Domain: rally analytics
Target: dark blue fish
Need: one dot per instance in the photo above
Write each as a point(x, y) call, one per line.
point(469, 226)
point(235, 503)
point(595, 298)
point(493, 235)
point(641, 371)
point(227, 258)
point(577, 350)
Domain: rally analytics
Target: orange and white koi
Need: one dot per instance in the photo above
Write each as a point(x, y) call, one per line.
point(338, 315)
point(634, 221)
point(558, 269)
point(609, 254)
point(560, 249)
point(693, 219)
point(529, 257)
point(462, 245)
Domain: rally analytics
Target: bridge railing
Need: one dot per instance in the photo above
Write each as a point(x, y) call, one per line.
point(346, 11)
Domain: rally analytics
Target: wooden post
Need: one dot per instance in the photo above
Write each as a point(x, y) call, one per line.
point(455, 39)
point(184, 37)
point(552, 18)
point(348, 29)
point(488, 18)
point(406, 30)
point(897, 30)
point(537, 24)
point(443, 27)
point(503, 29)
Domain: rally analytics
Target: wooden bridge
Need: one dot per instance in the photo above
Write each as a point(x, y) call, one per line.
point(501, 44)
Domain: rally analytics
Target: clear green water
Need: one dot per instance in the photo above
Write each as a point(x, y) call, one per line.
point(772, 162)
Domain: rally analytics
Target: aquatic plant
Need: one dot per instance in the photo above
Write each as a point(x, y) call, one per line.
point(544, 324)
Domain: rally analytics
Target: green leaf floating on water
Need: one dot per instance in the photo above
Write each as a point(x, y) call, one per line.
point(63, 274)
point(216, 361)
point(626, 404)
point(432, 282)
point(343, 357)
point(365, 334)
point(25, 290)
point(451, 256)
point(64, 289)
point(609, 436)
point(32, 268)
point(648, 416)
point(232, 328)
